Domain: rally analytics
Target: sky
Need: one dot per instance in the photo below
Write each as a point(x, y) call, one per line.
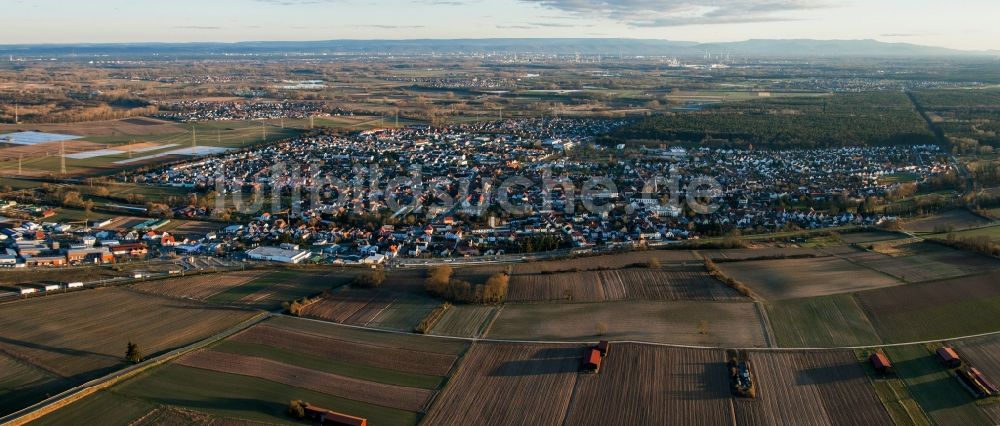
point(961, 24)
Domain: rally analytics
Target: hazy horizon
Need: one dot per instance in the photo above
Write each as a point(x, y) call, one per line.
point(967, 26)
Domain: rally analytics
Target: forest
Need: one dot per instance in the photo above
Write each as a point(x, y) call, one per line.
point(877, 118)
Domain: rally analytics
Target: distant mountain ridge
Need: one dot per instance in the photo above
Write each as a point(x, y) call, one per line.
point(566, 46)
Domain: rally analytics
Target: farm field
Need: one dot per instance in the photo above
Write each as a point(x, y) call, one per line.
point(399, 352)
point(984, 354)
point(375, 308)
point(509, 384)
point(152, 143)
point(643, 384)
point(808, 277)
point(869, 237)
point(829, 321)
point(934, 310)
point(251, 377)
point(937, 391)
point(101, 408)
point(385, 395)
point(993, 232)
point(271, 289)
point(825, 387)
point(83, 334)
point(688, 323)
point(199, 287)
point(465, 321)
point(762, 252)
point(611, 261)
point(671, 283)
point(952, 220)
point(919, 262)
point(22, 384)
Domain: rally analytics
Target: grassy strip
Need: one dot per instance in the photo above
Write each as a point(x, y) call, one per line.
point(243, 397)
point(894, 395)
point(357, 371)
point(432, 318)
point(730, 282)
point(938, 391)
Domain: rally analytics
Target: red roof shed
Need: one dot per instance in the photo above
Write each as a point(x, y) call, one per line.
point(593, 360)
point(880, 362)
point(949, 357)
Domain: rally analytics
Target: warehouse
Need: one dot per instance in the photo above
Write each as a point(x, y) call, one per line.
point(277, 254)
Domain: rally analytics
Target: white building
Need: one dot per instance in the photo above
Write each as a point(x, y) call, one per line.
point(278, 254)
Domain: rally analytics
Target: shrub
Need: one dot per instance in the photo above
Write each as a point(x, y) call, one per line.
point(432, 319)
point(370, 279)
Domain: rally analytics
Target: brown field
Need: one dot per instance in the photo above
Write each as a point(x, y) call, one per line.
point(797, 278)
point(371, 338)
point(509, 384)
point(762, 252)
point(83, 334)
point(686, 323)
point(199, 287)
point(349, 306)
point(982, 353)
point(408, 360)
point(674, 283)
point(611, 261)
point(943, 222)
point(794, 388)
point(935, 309)
point(654, 385)
point(404, 398)
point(919, 262)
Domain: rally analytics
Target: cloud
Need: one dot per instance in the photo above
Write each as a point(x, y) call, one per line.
point(669, 13)
point(906, 34)
point(391, 27)
point(197, 27)
point(297, 2)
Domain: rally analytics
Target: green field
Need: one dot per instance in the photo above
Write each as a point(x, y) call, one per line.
point(406, 312)
point(939, 393)
point(235, 396)
point(358, 371)
point(465, 320)
point(934, 310)
point(298, 284)
point(830, 321)
point(22, 385)
point(101, 408)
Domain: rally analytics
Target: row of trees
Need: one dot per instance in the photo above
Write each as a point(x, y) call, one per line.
point(441, 283)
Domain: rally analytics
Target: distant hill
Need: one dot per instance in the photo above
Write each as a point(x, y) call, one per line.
point(588, 46)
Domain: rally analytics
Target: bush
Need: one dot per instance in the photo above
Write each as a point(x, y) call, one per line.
point(370, 279)
point(730, 282)
point(432, 319)
point(297, 409)
point(440, 284)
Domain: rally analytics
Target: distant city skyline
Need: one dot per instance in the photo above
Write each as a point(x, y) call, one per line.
point(967, 26)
